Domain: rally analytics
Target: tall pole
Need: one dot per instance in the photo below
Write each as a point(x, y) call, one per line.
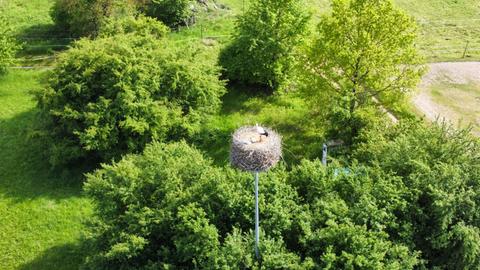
point(324, 154)
point(257, 231)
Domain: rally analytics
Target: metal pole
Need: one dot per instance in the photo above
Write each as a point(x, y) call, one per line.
point(257, 231)
point(324, 155)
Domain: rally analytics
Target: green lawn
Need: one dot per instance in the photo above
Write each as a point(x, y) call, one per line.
point(35, 30)
point(41, 212)
point(445, 28)
point(462, 102)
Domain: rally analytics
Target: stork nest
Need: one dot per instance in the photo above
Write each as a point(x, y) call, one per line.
point(253, 152)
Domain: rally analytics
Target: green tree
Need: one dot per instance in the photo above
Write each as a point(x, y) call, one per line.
point(171, 12)
point(365, 52)
point(170, 207)
point(85, 17)
point(111, 96)
point(263, 48)
point(140, 25)
point(8, 45)
point(440, 169)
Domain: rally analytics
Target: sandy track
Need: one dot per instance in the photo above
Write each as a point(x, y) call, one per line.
point(455, 73)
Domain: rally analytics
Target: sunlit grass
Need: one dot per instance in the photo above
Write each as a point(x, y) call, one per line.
point(461, 100)
point(41, 211)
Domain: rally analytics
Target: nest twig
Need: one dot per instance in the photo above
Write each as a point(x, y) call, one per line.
point(251, 151)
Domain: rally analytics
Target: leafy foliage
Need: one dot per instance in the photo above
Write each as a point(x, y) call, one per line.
point(365, 49)
point(171, 208)
point(8, 46)
point(440, 169)
point(172, 12)
point(409, 200)
point(352, 211)
point(141, 26)
point(86, 17)
point(262, 50)
point(113, 95)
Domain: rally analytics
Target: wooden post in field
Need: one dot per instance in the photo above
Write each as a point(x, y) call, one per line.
point(465, 51)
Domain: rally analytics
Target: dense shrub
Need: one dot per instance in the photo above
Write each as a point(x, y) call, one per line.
point(440, 168)
point(85, 17)
point(262, 50)
point(171, 12)
point(171, 208)
point(410, 201)
point(346, 126)
point(8, 46)
point(113, 95)
point(140, 25)
point(352, 213)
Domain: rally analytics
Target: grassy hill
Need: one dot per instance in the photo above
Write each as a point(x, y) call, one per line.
point(42, 212)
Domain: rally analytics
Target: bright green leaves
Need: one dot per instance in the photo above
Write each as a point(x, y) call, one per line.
point(8, 46)
point(364, 49)
point(440, 171)
point(263, 49)
point(113, 95)
point(171, 12)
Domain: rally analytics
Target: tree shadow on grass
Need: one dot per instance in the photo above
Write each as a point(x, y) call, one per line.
point(43, 39)
point(235, 100)
point(25, 172)
point(302, 132)
point(64, 257)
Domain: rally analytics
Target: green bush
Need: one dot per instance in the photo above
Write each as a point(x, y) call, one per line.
point(171, 208)
point(439, 167)
point(85, 17)
point(113, 95)
point(263, 48)
point(141, 26)
point(8, 46)
point(352, 216)
point(409, 200)
point(172, 12)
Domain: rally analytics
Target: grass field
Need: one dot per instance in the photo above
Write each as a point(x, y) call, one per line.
point(451, 91)
point(446, 26)
point(42, 212)
point(463, 101)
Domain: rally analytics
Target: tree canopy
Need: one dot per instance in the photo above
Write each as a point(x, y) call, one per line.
point(263, 48)
point(408, 199)
point(364, 54)
point(8, 45)
point(113, 95)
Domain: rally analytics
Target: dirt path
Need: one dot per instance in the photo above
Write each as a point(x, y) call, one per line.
point(452, 72)
point(448, 76)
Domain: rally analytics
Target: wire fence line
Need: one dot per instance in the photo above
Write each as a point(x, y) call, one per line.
point(463, 50)
point(451, 20)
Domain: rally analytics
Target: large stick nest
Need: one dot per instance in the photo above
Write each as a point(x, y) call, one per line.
point(253, 152)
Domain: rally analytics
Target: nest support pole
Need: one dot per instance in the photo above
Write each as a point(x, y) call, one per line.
point(257, 219)
point(255, 149)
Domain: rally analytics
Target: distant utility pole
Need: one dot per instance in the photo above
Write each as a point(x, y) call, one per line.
point(466, 48)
